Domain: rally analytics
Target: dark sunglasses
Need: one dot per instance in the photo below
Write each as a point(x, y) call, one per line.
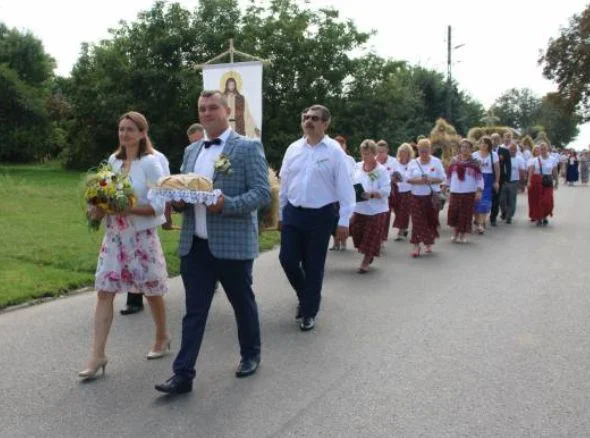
point(312, 118)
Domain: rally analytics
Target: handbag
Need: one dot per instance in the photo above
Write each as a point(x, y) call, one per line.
point(546, 180)
point(438, 202)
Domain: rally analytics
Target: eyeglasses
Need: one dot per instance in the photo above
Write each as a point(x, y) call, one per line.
point(312, 118)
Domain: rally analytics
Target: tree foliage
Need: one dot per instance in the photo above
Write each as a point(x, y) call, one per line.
point(530, 114)
point(25, 73)
point(567, 62)
point(149, 65)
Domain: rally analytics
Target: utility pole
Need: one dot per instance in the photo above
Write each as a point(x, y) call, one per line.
point(449, 74)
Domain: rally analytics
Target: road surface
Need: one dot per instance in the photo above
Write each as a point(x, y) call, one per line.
point(489, 339)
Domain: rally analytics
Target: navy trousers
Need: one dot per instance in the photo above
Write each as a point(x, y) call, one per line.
point(200, 270)
point(305, 235)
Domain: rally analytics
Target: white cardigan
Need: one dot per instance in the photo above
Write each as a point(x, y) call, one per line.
point(143, 174)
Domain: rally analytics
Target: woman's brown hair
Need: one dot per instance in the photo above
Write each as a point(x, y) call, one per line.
point(145, 144)
point(488, 142)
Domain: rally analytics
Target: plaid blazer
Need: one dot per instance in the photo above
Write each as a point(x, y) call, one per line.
point(233, 234)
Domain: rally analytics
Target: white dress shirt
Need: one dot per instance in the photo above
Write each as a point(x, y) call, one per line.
point(433, 169)
point(315, 176)
point(517, 164)
point(403, 185)
point(351, 166)
point(205, 166)
point(486, 166)
point(378, 180)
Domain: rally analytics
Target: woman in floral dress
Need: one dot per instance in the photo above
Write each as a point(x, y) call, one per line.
point(131, 257)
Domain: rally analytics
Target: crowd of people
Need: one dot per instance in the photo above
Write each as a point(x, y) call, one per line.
point(324, 192)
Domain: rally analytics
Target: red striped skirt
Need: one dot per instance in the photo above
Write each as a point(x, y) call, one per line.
point(402, 211)
point(367, 232)
point(393, 200)
point(540, 199)
point(460, 214)
point(424, 220)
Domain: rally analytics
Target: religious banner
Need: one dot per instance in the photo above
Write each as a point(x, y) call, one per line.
point(241, 84)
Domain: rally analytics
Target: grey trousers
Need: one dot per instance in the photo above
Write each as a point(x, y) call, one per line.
point(508, 198)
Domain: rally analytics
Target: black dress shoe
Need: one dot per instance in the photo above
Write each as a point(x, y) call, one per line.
point(493, 223)
point(307, 324)
point(175, 385)
point(130, 310)
point(247, 367)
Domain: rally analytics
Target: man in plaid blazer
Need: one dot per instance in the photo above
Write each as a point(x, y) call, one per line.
point(220, 242)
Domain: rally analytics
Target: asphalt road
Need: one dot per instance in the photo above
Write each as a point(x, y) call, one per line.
point(489, 339)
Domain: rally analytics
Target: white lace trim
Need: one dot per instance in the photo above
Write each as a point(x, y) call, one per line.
point(188, 196)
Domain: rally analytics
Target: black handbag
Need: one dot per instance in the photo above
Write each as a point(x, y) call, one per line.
point(546, 180)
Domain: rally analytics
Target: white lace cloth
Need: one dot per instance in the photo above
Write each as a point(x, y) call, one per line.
point(188, 196)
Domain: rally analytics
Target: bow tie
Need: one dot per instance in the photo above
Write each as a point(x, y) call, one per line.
point(208, 143)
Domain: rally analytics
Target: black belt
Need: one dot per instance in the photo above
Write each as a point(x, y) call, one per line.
point(312, 209)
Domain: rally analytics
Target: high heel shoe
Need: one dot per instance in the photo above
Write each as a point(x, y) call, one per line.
point(416, 252)
point(90, 373)
point(154, 354)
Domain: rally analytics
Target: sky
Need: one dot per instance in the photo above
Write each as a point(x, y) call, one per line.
point(502, 40)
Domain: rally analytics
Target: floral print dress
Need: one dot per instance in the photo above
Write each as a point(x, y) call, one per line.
point(130, 260)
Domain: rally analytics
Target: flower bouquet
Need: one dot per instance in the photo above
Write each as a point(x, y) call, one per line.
point(108, 190)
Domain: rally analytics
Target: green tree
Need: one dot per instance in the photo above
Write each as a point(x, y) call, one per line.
point(518, 108)
point(26, 72)
point(557, 119)
point(146, 66)
point(149, 65)
point(567, 62)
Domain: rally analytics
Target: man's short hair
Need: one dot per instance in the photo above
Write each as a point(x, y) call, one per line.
point(194, 128)
point(326, 116)
point(383, 144)
point(211, 93)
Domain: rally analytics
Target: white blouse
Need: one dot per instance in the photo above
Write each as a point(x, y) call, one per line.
point(470, 183)
point(433, 169)
point(143, 174)
point(402, 169)
point(390, 164)
point(547, 164)
point(485, 163)
point(378, 180)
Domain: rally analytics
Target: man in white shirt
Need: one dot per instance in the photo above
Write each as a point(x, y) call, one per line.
point(220, 242)
point(315, 180)
point(509, 189)
point(195, 132)
point(505, 172)
point(341, 246)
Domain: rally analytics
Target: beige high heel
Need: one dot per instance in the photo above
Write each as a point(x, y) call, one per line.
point(153, 354)
point(90, 373)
